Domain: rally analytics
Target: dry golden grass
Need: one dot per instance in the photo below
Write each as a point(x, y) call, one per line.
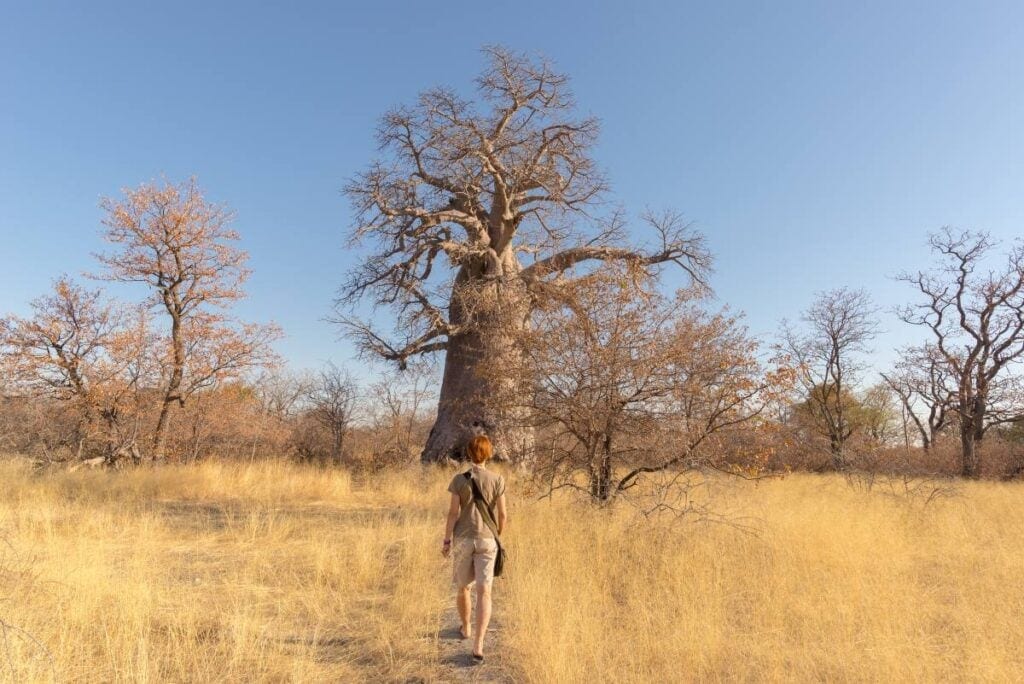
point(274, 572)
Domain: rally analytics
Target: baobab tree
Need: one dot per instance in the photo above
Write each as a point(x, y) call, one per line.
point(976, 321)
point(172, 240)
point(826, 356)
point(475, 213)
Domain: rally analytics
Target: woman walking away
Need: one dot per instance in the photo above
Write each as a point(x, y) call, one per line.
point(471, 539)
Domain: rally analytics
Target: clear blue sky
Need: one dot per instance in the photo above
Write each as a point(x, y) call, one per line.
point(815, 143)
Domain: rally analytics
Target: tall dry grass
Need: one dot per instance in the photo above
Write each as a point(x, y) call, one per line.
point(840, 585)
point(274, 572)
point(238, 573)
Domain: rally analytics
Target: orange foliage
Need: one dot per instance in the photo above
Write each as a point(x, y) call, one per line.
point(181, 247)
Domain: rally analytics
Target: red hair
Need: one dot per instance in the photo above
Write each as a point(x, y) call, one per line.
point(479, 449)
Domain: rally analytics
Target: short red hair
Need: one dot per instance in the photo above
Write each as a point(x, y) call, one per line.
point(479, 449)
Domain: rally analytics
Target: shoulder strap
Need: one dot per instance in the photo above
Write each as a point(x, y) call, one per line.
point(481, 505)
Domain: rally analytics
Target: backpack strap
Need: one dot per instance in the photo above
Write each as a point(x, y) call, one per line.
point(483, 507)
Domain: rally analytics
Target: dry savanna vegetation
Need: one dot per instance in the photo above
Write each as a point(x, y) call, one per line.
point(689, 501)
point(279, 572)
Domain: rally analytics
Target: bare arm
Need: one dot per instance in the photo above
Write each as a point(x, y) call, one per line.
point(502, 514)
point(453, 514)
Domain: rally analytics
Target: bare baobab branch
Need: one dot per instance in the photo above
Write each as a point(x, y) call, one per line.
point(463, 189)
point(678, 245)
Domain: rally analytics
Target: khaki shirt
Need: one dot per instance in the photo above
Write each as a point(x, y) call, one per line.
point(492, 485)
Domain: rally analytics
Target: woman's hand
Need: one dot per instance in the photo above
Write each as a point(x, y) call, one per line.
point(454, 507)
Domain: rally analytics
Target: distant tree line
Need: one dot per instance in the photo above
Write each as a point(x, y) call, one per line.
point(487, 237)
point(616, 380)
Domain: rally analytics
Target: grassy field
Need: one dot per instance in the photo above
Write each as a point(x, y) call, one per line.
point(274, 572)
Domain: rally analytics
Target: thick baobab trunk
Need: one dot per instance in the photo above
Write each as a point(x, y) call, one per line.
point(479, 371)
point(465, 407)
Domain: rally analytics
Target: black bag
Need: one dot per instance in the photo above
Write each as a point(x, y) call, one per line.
point(487, 514)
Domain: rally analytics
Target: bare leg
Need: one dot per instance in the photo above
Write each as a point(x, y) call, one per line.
point(483, 616)
point(463, 603)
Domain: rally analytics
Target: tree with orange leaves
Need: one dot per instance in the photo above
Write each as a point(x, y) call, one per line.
point(58, 348)
point(170, 238)
point(82, 350)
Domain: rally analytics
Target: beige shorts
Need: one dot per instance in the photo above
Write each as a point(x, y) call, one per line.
point(474, 561)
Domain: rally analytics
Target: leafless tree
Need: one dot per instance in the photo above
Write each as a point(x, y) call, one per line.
point(624, 386)
point(921, 381)
point(827, 359)
point(399, 410)
point(477, 212)
point(976, 319)
point(280, 393)
point(332, 400)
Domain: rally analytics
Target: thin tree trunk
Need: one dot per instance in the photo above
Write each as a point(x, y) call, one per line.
point(601, 487)
point(980, 409)
point(160, 436)
point(971, 432)
point(970, 465)
point(338, 446)
point(836, 452)
point(174, 382)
